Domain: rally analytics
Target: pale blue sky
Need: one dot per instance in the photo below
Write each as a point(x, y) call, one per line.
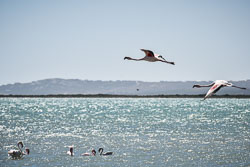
point(88, 39)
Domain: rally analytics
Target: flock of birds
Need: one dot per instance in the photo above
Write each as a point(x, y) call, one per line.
point(151, 57)
point(215, 86)
point(93, 152)
point(18, 154)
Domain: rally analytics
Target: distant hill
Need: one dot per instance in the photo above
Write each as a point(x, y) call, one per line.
point(76, 86)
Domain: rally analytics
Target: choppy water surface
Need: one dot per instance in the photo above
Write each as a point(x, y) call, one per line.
point(140, 132)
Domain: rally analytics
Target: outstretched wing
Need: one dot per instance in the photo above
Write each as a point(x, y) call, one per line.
point(215, 88)
point(148, 53)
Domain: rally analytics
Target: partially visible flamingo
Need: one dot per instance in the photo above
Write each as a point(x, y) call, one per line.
point(18, 153)
point(216, 86)
point(70, 152)
point(151, 57)
point(106, 153)
point(93, 153)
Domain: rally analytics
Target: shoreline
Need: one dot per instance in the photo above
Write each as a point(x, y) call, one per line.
point(121, 96)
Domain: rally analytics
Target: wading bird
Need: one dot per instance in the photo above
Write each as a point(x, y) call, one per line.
point(216, 86)
point(70, 152)
point(18, 153)
point(151, 57)
point(93, 153)
point(106, 153)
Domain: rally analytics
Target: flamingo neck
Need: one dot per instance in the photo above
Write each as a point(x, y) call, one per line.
point(19, 148)
point(137, 59)
point(101, 151)
point(71, 151)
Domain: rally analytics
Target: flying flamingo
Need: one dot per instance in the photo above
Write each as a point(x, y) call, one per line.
point(93, 153)
point(216, 86)
point(151, 57)
point(18, 153)
point(106, 153)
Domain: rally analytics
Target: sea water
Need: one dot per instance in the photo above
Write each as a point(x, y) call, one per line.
point(139, 131)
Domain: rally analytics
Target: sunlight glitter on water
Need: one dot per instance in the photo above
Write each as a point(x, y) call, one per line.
point(140, 132)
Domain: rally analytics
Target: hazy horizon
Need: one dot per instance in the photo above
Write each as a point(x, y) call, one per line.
point(208, 40)
point(117, 80)
point(75, 86)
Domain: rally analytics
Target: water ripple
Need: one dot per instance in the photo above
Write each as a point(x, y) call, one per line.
point(140, 132)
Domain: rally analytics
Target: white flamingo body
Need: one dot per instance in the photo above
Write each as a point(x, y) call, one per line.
point(216, 86)
point(93, 153)
point(15, 153)
point(150, 57)
point(70, 152)
point(18, 153)
point(86, 154)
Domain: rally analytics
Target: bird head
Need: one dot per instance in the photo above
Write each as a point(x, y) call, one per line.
point(196, 86)
point(93, 152)
point(27, 151)
point(128, 58)
point(20, 143)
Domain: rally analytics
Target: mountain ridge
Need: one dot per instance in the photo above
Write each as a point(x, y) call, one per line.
point(118, 87)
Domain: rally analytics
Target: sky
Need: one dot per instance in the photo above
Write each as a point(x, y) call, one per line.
point(88, 39)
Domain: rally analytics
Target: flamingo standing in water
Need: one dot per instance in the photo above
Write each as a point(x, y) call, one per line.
point(151, 57)
point(70, 152)
point(93, 153)
point(216, 86)
point(18, 153)
point(106, 153)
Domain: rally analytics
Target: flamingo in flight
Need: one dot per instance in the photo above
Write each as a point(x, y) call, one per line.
point(18, 153)
point(151, 57)
point(216, 86)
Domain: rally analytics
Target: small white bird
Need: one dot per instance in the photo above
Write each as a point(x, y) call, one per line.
point(70, 152)
point(18, 153)
point(151, 57)
point(216, 86)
